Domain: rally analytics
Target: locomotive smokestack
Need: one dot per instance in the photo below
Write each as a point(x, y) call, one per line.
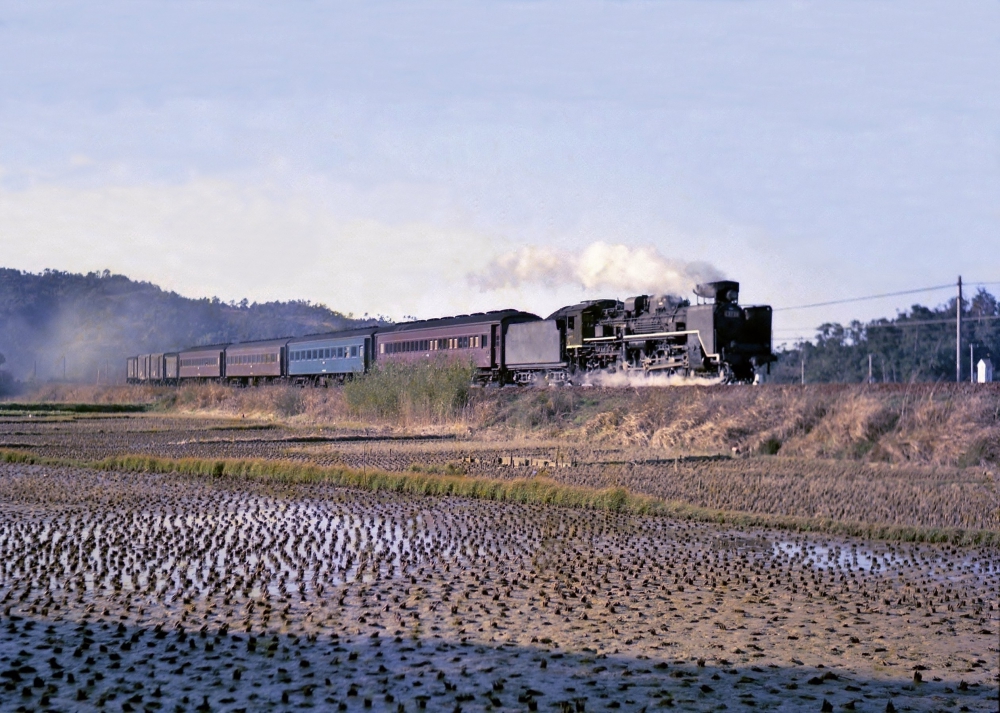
point(721, 291)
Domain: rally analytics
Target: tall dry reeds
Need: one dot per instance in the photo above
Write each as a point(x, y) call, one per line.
point(928, 424)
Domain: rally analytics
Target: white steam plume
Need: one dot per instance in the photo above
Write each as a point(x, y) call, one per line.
point(599, 266)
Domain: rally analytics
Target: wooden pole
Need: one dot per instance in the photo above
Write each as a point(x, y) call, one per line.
point(958, 333)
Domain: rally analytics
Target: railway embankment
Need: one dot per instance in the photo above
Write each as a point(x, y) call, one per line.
point(953, 425)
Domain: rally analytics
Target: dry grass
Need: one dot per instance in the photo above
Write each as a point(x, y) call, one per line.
point(930, 424)
point(924, 424)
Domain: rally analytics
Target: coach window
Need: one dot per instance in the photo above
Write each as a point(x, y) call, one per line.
point(354, 352)
point(485, 341)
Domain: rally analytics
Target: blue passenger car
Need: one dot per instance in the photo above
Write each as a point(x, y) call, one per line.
point(331, 357)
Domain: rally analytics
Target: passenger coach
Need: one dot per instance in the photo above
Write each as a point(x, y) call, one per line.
point(477, 338)
point(335, 356)
point(255, 362)
point(202, 362)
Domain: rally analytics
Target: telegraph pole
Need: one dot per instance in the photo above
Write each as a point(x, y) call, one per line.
point(958, 333)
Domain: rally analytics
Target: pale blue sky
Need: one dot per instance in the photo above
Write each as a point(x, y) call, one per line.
point(384, 157)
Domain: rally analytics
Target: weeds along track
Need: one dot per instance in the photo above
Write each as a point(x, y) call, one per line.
point(123, 589)
point(906, 424)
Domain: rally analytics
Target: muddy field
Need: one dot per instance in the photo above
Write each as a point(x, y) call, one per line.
point(926, 496)
point(132, 591)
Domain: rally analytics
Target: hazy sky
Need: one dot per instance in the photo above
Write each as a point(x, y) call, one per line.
point(426, 158)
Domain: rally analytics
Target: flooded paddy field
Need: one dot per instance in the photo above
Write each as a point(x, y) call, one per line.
point(887, 494)
point(134, 591)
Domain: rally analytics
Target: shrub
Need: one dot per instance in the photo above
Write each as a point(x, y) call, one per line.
point(434, 390)
point(769, 446)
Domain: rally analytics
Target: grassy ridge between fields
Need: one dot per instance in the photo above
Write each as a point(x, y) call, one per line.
point(533, 491)
point(73, 407)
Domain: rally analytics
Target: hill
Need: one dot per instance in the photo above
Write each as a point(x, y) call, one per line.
point(95, 320)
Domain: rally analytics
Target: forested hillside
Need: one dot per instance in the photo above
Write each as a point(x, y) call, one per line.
point(95, 320)
point(915, 346)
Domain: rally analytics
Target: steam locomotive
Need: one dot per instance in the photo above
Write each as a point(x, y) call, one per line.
point(714, 338)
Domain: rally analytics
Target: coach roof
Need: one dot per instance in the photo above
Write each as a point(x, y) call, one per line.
point(205, 348)
point(462, 320)
point(258, 344)
point(342, 333)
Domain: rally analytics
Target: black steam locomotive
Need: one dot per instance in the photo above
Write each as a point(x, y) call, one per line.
point(652, 335)
point(648, 335)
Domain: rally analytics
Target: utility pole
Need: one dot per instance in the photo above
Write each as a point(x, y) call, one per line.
point(803, 369)
point(972, 366)
point(958, 333)
point(869, 368)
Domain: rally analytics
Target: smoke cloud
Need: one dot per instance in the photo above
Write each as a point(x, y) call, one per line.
point(599, 266)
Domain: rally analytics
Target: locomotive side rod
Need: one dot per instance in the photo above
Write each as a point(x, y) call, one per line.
point(654, 335)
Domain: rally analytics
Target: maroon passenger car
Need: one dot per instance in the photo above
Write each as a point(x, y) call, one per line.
point(202, 362)
point(477, 338)
point(256, 361)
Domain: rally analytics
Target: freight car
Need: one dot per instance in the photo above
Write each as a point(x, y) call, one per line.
point(715, 337)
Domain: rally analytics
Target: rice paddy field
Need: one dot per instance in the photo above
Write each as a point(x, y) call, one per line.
point(165, 562)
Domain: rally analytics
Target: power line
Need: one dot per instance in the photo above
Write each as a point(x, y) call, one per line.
point(906, 323)
point(871, 297)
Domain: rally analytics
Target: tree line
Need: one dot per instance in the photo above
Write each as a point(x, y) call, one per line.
point(916, 345)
